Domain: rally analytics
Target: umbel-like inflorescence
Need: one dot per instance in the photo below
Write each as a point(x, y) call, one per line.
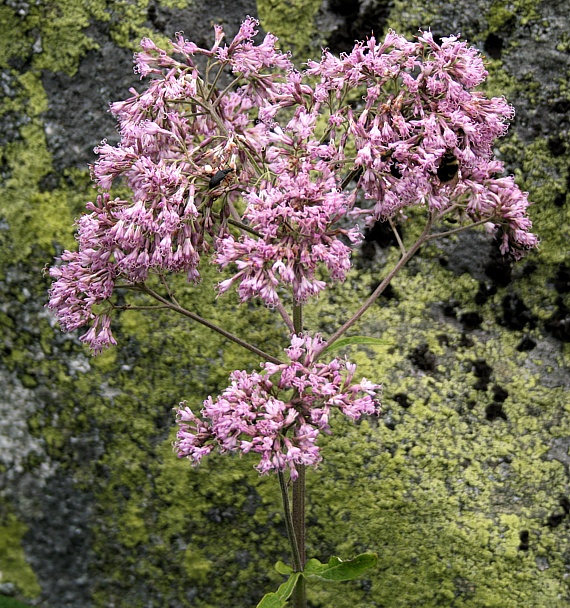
point(388, 126)
point(423, 135)
point(233, 154)
point(279, 412)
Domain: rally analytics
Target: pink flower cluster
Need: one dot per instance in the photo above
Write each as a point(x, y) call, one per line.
point(423, 135)
point(279, 412)
point(297, 219)
point(400, 117)
point(175, 136)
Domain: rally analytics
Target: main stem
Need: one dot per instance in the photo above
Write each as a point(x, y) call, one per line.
point(299, 512)
point(299, 596)
point(289, 523)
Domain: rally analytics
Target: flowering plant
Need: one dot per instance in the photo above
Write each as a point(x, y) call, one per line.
point(233, 154)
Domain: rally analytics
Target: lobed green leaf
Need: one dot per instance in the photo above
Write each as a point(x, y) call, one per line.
point(280, 597)
point(339, 570)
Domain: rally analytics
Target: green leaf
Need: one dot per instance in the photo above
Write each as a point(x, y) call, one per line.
point(280, 597)
point(283, 568)
point(357, 340)
point(339, 570)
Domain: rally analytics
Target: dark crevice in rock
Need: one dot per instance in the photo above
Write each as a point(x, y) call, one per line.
point(483, 373)
point(562, 279)
point(499, 394)
point(484, 293)
point(558, 326)
point(358, 22)
point(524, 538)
point(403, 400)
point(495, 411)
point(494, 46)
point(471, 320)
point(499, 268)
point(423, 358)
point(526, 344)
point(382, 234)
point(555, 519)
point(516, 314)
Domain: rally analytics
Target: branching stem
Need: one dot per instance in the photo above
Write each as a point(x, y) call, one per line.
point(397, 235)
point(187, 313)
point(238, 224)
point(437, 235)
point(285, 316)
point(378, 291)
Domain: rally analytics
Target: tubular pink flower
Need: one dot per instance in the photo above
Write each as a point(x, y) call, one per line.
point(278, 413)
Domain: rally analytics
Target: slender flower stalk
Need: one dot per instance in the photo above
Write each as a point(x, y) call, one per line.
point(299, 499)
point(192, 315)
point(297, 565)
point(380, 289)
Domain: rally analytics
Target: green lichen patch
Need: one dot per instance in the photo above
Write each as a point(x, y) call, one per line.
point(161, 523)
point(406, 18)
point(13, 565)
point(506, 14)
point(293, 23)
point(440, 487)
point(55, 35)
point(37, 219)
point(10, 602)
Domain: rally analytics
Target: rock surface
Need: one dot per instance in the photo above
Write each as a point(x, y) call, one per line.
point(462, 484)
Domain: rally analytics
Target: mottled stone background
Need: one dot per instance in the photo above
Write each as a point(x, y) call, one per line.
point(461, 486)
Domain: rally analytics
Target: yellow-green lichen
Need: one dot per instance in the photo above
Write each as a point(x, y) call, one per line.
point(36, 219)
point(501, 12)
point(10, 602)
point(292, 21)
point(13, 565)
point(499, 15)
point(442, 494)
point(406, 18)
point(55, 33)
point(432, 487)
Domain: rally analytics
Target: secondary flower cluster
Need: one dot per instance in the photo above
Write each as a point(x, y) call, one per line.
point(297, 218)
point(423, 135)
point(279, 412)
point(176, 136)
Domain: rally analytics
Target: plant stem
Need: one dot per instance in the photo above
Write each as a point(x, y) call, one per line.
point(397, 235)
point(298, 318)
point(378, 291)
point(187, 313)
point(297, 567)
point(299, 512)
point(285, 316)
point(437, 235)
point(242, 226)
point(299, 596)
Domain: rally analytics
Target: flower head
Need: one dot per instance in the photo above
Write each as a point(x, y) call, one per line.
point(420, 115)
point(278, 413)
